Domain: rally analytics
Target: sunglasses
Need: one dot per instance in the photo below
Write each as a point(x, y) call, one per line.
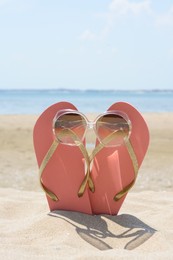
point(111, 128)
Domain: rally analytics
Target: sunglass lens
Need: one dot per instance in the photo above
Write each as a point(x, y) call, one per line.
point(69, 128)
point(112, 129)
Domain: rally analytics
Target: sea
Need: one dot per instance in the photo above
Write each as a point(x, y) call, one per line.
point(87, 101)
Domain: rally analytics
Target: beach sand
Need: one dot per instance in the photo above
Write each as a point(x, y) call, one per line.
point(142, 229)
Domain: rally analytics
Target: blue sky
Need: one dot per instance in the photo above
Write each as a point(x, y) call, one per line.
point(94, 44)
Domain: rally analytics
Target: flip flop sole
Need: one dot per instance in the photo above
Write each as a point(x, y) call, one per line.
point(113, 168)
point(65, 170)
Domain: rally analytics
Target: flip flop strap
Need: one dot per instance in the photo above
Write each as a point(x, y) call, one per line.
point(50, 153)
point(133, 158)
point(87, 178)
point(43, 166)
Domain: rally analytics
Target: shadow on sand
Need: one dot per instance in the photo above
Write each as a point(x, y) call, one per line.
point(95, 229)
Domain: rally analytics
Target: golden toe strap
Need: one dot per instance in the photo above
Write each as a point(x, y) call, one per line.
point(133, 157)
point(48, 156)
point(43, 166)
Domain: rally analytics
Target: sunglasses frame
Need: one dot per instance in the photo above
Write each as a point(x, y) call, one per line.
point(91, 124)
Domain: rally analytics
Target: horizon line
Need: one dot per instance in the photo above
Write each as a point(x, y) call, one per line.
point(87, 89)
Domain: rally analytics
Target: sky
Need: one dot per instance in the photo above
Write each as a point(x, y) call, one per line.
point(93, 44)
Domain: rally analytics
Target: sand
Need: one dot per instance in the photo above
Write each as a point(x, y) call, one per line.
point(142, 229)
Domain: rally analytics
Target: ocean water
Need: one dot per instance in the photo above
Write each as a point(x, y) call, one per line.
point(36, 101)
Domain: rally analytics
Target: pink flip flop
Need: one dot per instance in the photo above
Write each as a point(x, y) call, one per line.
point(61, 167)
point(115, 169)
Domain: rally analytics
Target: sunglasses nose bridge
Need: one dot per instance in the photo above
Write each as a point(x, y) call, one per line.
point(90, 125)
